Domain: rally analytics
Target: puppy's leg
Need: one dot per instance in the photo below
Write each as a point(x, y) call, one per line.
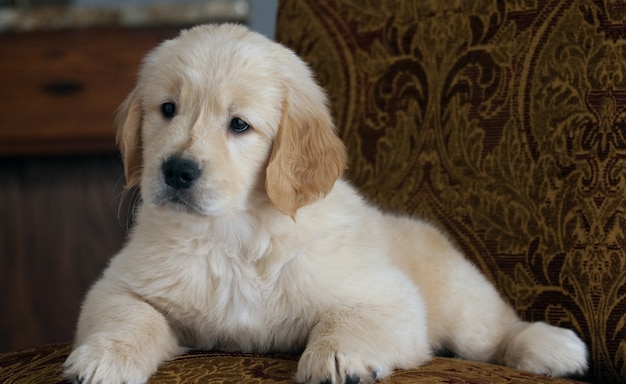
point(481, 326)
point(120, 339)
point(543, 349)
point(467, 315)
point(361, 345)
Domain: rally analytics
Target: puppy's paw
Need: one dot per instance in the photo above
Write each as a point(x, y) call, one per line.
point(546, 350)
point(324, 363)
point(101, 360)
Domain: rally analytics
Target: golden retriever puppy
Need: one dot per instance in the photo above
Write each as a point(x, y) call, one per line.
point(247, 238)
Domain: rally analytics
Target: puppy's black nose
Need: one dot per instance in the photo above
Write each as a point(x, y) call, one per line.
point(180, 173)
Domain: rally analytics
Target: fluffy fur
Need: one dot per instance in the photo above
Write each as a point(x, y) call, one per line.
point(267, 248)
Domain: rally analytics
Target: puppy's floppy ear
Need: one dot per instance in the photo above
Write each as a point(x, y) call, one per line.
point(307, 156)
point(128, 138)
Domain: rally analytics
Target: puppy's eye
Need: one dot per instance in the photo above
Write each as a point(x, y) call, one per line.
point(238, 125)
point(168, 110)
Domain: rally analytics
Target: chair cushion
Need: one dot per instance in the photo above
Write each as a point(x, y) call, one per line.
point(42, 365)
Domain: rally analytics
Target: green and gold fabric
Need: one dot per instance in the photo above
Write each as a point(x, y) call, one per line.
point(504, 122)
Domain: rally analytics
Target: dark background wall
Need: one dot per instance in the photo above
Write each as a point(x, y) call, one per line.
point(63, 217)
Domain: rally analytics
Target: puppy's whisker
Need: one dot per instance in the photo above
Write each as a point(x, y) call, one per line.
point(128, 199)
point(134, 200)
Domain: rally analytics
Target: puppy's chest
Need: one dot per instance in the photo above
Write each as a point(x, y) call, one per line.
point(226, 302)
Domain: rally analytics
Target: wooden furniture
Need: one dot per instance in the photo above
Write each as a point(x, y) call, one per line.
point(60, 89)
point(64, 70)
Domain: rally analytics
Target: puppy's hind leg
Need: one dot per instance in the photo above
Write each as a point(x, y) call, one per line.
point(467, 315)
point(543, 349)
point(481, 326)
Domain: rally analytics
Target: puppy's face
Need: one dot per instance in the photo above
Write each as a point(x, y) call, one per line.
point(221, 115)
point(210, 111)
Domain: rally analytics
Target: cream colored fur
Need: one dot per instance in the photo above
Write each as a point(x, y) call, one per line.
point(270, 250)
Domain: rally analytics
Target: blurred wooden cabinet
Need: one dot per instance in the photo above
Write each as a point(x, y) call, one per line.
point(62, 80)
point(59, 89)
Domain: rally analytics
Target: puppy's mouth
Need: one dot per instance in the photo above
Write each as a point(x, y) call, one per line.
point(179, 200)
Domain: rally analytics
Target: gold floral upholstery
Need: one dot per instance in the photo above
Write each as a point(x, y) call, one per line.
point(42, 366)
point(504, 122)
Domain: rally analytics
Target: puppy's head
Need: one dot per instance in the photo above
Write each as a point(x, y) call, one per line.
point(221, 115)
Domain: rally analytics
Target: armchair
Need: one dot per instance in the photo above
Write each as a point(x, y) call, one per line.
point(503, 123)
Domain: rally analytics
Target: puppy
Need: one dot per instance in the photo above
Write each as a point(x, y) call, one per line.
point(248, 239)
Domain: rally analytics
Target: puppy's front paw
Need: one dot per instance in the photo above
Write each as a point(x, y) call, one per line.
point(325, 363)
point(101, 360)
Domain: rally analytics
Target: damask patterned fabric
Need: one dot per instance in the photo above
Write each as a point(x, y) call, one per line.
point(43, 366)
point(504, 122)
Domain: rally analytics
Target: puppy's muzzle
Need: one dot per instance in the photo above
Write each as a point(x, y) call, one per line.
point(180, 173)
